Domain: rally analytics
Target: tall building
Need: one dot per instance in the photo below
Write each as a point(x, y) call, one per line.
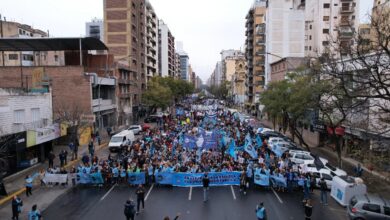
point(10, 29)
point(255, 51)
point(284, 31)
point(95, 28)
point(328, 21)
point(151, 49)
point(124, 34)
point(228, 61)
point(177, 66)
point(238, 81)
point(184, 64)
point(166, 51)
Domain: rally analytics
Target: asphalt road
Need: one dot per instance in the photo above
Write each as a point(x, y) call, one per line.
point(226, 203)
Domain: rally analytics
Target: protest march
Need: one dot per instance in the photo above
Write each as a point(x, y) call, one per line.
point(202, 138)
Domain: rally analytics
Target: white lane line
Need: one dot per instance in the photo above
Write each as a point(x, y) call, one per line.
point(150, 190)
point(234, 195)
point(277, 196)
point(190, 194)
point(105, 195)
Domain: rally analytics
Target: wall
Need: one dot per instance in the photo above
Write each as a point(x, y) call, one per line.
point(15, 99)
point(71, 89)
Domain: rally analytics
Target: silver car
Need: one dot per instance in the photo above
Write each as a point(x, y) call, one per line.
point(367, 207)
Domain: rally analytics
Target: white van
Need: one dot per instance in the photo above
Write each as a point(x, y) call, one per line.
point(121, 139)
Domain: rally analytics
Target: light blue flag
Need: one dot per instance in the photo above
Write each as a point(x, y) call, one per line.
point(259, 141)
point(232, 151)
point(238, 134)
point(248, 139)
point(250, 150)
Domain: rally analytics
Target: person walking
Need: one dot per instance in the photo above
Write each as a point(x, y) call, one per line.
point(206, 183)
point(61, 155)
point(29, 185)
point(75, 149)
point(17, 204)
point(358, 170)
point(51, 159)
point(260, 212)
point(129, 209)
point(243, 182)
point(324, 189)
point(91, 148)
point(308, 210)
point(140, 191)
point(34, 214)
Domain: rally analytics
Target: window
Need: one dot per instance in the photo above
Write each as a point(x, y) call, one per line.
point(56, 58)
point(35, 114)
point(327, 177)
point(387, 210)
point(326, 5)
point(306, 47)
point(353, 17)
point(316, 175)
point(28, 57)
point(325, 18)
point(372, 208)
point(309, 47)
point(13, 56)
point(325, 43)
point(20, 31)
point(325, 31)
point(19, 116)
point(310, 37)
point(311, 26)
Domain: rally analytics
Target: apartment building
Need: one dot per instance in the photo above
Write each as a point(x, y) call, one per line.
point(330, 22)
point(124, 35)
point(238, 81)
point(177, 66)
point(255, 51)
point(166, 52)
point(151, 50)
point(228, 60)
point(10, 29)
point(184, 64)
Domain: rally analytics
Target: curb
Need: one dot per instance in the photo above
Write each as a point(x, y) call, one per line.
point(71, 163)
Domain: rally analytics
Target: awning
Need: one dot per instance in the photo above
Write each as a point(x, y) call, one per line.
point(51, 44)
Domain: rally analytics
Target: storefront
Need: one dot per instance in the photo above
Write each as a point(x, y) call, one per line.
point(12, 149)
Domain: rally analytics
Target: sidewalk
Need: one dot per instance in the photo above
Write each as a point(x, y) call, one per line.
point(15, 184)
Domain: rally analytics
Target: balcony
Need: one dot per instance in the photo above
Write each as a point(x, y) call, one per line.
point(345, 22)
point(347, 9)
point(345, 33)
point(99, 105)
point(124, 81)
point(105, 81)
point(260, 73)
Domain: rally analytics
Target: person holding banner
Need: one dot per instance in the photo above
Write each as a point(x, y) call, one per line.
point(260, 212)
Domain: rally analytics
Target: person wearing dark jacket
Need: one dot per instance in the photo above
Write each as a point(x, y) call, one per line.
point(51, 159)
point(308, 210)
point(129, 210)
point(140, 191)
point(17, 204)
point(206, 183)
point(324, 189)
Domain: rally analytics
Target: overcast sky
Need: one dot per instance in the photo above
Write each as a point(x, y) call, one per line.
point(204, 26)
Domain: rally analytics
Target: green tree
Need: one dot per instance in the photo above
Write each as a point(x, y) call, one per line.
point(157, 95)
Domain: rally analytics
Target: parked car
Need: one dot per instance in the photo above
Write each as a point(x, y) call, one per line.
point(152, 118)
point(135, 128)
point(367, 207)
point(121, 140)
point(268, 134)
point(334, 171)
point(301, 157)
point(321, 173)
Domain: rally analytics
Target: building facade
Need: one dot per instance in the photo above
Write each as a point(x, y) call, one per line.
point(166, 51)
point(238, 82)
point(151, 49)
point(95, 28)
point(27, 58)
point(124, 34)
point(281, 68)
point(328, 21)
point(184, 64)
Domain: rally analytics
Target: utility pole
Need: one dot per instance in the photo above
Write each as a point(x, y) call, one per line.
point(1, 34)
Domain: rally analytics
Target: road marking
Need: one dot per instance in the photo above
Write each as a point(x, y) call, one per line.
point(105, 195)
point(277, 196)
point(190, 194)
point(234, 195)
point(150, 190)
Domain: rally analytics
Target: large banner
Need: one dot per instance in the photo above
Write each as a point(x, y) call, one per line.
point(89, 178)
point(136, 178)
point(55, 178)
point(279, 181)
point(164, 178)
point(216, 179)
point(261, 179)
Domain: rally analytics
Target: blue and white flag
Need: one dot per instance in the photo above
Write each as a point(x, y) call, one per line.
point(250, 150)
point(278, 150)
point(232, 150)
point(189, 141)
point(260, 178)
point(248, 139)
point(238, 134)
point(259, 141)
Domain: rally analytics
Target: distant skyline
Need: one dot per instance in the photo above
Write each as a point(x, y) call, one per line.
point(206, 27)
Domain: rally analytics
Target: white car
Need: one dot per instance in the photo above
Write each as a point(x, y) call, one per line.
point(321, 173)
point(334, 171)
point(135, 128)
point(261, 130)
point(301, 157)
point(275, 140)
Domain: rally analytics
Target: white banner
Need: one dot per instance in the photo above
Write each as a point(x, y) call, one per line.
point(55, 178)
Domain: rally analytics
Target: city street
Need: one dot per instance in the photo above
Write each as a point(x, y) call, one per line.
point(225, 203)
